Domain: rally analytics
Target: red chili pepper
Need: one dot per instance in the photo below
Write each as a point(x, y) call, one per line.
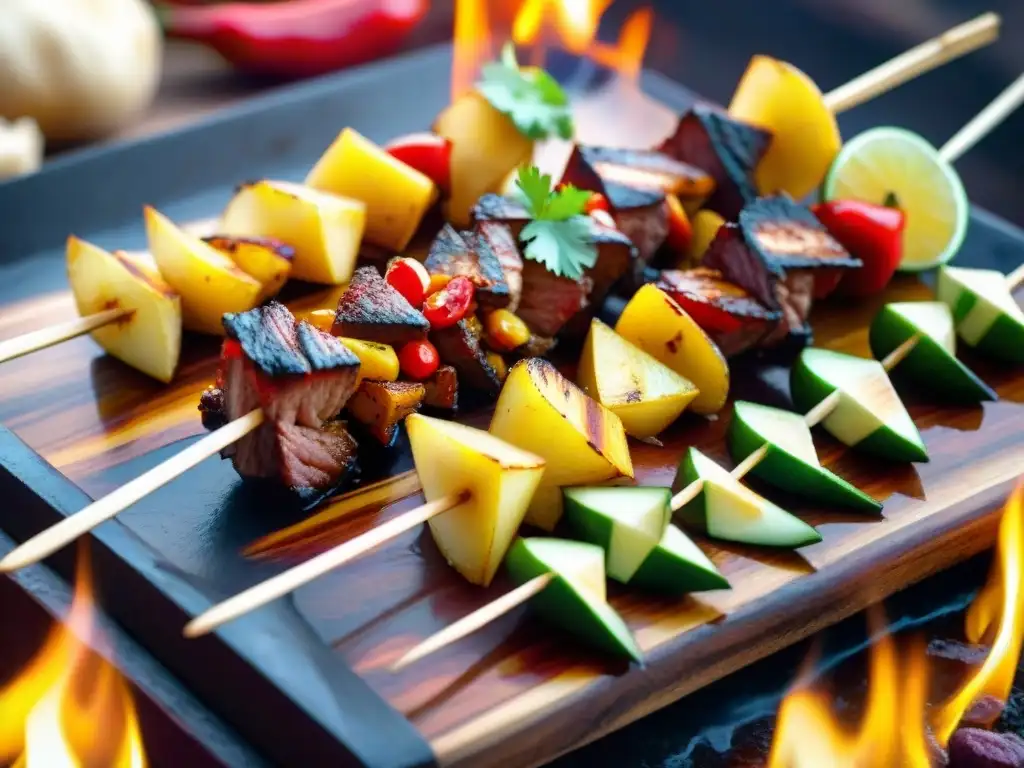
point(871, 233)
point(428, 153)
point(297, 38)
point(409, 278)
point(418, 360)
point(449, 305)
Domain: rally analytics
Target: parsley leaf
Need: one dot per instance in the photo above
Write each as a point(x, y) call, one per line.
point(559, 237)
point(532, 98)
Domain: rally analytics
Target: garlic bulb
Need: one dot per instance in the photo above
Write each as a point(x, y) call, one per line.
point(21, 147)
point(80, 68)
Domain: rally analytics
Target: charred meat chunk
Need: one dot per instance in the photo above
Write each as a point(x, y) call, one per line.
point(735, 320)
point(499, 239)
point(459, 346)
point(382, 405)
point(550, 301)
point(442, 389)
point(506, 210)
point(729, 150)
point(464, 254)
point(301, 377)
point(374, 311)
point(790, 237)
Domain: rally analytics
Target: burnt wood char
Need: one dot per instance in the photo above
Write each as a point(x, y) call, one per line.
point(734, 319)
point(464, 254)
point(374, 311)
point(503, 245)
point(459, 346)
point(616, 260)
point(729, 150)
point(442, 389)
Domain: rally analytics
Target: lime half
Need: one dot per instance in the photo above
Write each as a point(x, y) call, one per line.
point(894, 165)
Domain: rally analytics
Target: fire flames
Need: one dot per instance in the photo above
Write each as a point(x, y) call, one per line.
point(896, 721)
point(569, 24)
point(69, 708)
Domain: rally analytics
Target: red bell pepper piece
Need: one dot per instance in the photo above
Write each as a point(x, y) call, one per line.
point(297, 38)
point(428, 153)
point(871, 233)
point(450, 304)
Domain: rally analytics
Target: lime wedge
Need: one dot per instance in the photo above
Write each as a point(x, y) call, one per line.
point(895, 165)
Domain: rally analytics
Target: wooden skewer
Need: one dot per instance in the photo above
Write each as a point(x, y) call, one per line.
point(70, 528)
point(290, 580)
point(998, 110)
point(488, 613)
point(939, 50)
point(47, 337)
point(479, 618)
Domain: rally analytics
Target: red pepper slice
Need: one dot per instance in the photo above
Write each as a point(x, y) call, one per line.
point(419, 360)
point(297, 38)
point(449, 305)
point(409, 278)
point(596, 202)
point(871, 233)
point(428, 153)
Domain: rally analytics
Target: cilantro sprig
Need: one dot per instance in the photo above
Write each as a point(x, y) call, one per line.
point(559, 234)
point(531, 98)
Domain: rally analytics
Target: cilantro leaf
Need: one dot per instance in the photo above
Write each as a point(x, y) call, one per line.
point(532, 98)
point(559, 237)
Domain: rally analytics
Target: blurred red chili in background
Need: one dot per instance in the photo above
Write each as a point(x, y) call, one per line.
point(295, 38)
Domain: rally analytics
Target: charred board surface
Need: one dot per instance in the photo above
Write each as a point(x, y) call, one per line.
point(498, 238)
point(464, 254)
point(732, 317)
point(374, 311)
point(459, 346)
point(727, 149)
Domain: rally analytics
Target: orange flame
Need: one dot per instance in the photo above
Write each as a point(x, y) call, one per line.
point(891, 731)
point(69, 707)
point(998, 607)
point(568, 24)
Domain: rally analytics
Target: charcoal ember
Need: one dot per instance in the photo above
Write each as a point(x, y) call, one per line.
point(727, 149)
point(954, 650)
point(211, 408)
point(978, 748)
point(983, 712)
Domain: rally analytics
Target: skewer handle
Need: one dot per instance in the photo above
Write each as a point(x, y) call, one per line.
point(1015, 278)
point(923, 58)
point(290, 580)
point(47, 337)
point(1005, 104)
point(479, 618)
point(67, 530)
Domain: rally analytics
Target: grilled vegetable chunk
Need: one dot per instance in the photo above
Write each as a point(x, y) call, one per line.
point(729, 150)
point(382, 405)
point(459, 346)
point(374, 311)
point(734, 319)
point(776, 252)
point(267, 260)
point(500, 478)
point(541, 411)
point(442, 389)
point(464, 254)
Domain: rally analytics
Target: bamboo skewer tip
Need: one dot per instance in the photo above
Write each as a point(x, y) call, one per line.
point(33, 341)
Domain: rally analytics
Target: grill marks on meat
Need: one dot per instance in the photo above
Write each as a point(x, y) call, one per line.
point(729, 150)
point(733, 318)
point(499, 239)
point(301, 377)
point(464, 254)
point(374, 311)
point(774, 253)
point(459, 346)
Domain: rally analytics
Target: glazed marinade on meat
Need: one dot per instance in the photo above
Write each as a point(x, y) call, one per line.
point(372, 310)
point(499, 239)
point(546, 297)
point(465, 254)
point(774, 253)
point(729, 150)
point(732, 317)
point(302, 378)
point(635, 183)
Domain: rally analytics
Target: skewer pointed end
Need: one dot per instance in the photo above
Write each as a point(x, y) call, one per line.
point(196, 628)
